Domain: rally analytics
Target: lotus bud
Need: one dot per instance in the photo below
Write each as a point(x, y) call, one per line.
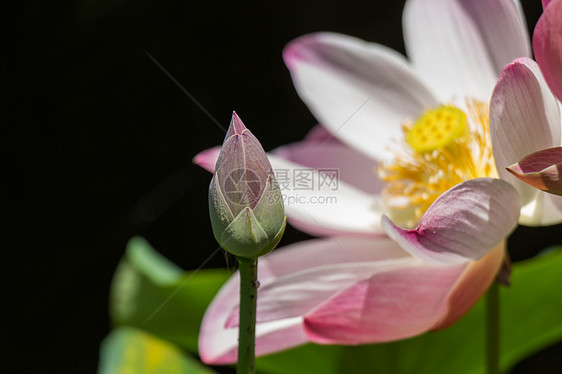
point(245, 202)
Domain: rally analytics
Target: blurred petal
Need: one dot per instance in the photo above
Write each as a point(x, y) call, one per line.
point(292, 280)
point(542, 170)
point(361, 92)
point(547, 45)
point(464, 223)
point(460, 46)
point(319, 134)
point(208, 158)
point(524, 118)
point(349, 165)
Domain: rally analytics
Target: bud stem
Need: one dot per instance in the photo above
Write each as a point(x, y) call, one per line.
point(492, 329)
point(247, 327)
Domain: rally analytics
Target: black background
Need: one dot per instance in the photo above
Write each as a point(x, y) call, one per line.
point(97, 144)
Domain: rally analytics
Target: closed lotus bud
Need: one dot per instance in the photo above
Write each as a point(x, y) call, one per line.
point(245, 202)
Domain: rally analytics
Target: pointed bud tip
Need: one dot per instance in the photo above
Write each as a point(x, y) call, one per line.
point(236, 126)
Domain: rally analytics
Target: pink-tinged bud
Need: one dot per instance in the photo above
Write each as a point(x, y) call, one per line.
point(245, 202)
point(542, 170)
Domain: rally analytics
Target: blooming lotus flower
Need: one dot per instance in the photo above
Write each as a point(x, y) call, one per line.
point(541, 169)
point(245, 203)
point(412, 143)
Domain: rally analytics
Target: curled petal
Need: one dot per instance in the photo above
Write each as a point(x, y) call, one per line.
point(547, 45)
point(463, 224)
point(542, 170)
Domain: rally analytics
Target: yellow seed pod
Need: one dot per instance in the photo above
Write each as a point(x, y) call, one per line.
point(437, 128)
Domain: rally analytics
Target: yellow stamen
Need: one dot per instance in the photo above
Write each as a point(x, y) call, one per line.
point(442, 148)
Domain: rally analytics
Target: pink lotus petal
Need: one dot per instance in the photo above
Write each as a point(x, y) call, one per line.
point(545, 3)
point(547, 45)
point(361, 92)
point(475, 280)
point(402, 303)
point(319, 134)
point(389, 305)
point(542, 170)
point(460, 46)
point(344, 290)
point(318, 229)
point(463, 224)
point(208, 158)
point(524, 118)
point(280, 314)
point(328, 208)
point(348, 165)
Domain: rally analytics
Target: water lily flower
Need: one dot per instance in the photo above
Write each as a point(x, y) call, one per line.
point(415, 233)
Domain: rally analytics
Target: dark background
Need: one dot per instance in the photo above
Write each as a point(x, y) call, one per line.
point(97, 144)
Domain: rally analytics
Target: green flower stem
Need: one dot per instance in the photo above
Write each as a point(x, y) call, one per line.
point(247, 326)
point(492, 329)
